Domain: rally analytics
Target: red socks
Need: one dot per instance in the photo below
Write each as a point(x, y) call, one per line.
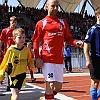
point(49, 96)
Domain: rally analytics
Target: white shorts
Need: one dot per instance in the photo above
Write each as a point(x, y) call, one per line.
point(53, 72)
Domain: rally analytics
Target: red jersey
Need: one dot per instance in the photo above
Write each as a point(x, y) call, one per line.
point(52, 31)
point(6, 37)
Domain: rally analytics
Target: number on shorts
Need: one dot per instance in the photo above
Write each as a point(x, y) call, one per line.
point(50, 75)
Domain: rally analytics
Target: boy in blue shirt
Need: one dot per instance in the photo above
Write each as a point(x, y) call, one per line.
point(67, 57)
point(92, 42)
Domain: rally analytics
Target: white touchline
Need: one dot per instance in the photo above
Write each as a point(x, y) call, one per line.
point(40, 89)
point(58, 96)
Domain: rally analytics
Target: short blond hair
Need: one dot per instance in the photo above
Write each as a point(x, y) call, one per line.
point(97, 11)
point(13, 18)
point(18, 31)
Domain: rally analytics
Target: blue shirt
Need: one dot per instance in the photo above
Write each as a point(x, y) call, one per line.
point(67, 51)
point(93, 37)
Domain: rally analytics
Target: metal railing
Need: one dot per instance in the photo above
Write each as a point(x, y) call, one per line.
point(78, 58)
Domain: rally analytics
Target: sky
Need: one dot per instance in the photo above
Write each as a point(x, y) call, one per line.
point(88, 8)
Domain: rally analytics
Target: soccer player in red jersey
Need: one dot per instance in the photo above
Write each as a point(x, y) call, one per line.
point(52, 31)
point(6, 38)
point(6, 34)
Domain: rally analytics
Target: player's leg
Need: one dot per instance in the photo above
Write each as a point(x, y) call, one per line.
point(93, 89)
point(95, 77)
point(66, 65)
point(53, 73)
point(70, 65)
point(58, 78)
point(15, 93)
point(32, 76)
point(16, 84)
point(48, 72)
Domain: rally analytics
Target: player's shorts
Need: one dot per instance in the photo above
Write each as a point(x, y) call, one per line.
point(16, 82)
point(53, 72)
point(95, 71)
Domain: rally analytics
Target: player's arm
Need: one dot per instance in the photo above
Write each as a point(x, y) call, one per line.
point(87, 43)
point(36, 39)
point(30, 60)
point(87, 56)
point(1, 42)
point(2, 37)
point(4, 65)
point(69, 39)
point(86, 51)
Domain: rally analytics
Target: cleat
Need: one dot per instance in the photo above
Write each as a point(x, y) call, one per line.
point(34, 79)
point(42, 98)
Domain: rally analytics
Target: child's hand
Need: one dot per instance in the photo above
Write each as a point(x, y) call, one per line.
point(1, 82)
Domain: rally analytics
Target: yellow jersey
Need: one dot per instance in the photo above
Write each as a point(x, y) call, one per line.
point(19, 59)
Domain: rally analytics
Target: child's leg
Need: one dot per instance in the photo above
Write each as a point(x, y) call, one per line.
point(31, 73)
point(93, 89)
point(32, 76)
point(15, 93)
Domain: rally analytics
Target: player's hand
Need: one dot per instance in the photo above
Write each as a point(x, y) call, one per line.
point(39, 63)
point(80, 44)
point(89, 64)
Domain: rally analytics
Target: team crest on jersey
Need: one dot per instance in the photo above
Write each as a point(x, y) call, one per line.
point(16, 61)
point(60, 27)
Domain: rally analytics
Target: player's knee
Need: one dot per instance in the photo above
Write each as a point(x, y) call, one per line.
point(58, 87)
point(94, 83)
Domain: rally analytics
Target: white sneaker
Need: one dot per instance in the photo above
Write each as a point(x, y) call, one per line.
point(43, 98)
point(67, 71)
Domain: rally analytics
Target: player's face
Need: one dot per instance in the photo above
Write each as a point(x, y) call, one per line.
point(52, 7)
point(13, 24)
point(20, 40)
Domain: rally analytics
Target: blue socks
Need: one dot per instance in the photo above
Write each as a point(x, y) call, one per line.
point(98, 93)
point(93, 93)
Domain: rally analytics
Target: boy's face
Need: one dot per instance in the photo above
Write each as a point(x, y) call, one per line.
point(20, 39)
point(13, 24)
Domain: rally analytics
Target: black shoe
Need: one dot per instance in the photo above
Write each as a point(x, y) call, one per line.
point(8, 88)
point(34, 79)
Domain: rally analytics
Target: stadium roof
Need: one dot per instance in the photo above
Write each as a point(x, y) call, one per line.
point(66, 5)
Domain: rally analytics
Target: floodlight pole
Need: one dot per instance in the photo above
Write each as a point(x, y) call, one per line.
point(83, 7)
point(61, 9)
point(91, 5)
point(20, 3)
point(44, 4)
